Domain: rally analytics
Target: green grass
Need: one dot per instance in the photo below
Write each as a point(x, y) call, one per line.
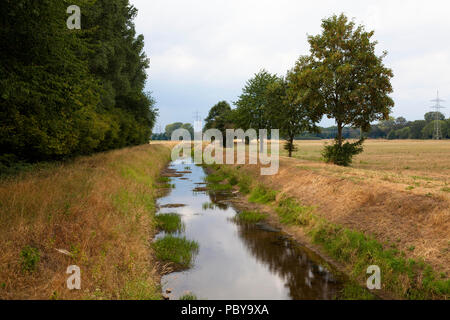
point(293, 213)
point(188, 296)
point(233, 180)
point(179, 251)
point(262, 195)
point(163, 180)
point(244, 184)
point(215, 178)
point(250, 216)
point(140, 289)
point(405, 277)
point(30, 258)
point(220, 187)
point(217, 181)
point(169, 222)
point(353, 291)
point(446, 189)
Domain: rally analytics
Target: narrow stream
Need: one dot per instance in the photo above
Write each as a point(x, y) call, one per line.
point(236, 260)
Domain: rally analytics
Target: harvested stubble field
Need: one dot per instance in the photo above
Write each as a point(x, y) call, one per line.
point(414, 163)
point(397, 191)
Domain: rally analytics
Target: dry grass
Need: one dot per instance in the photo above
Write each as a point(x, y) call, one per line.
point(99, 209)
point(413, 164)
point(395, 191)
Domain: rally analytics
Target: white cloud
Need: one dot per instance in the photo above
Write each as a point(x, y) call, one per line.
point(204, 51)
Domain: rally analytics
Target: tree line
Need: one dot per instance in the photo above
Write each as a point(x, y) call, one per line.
point(342, 78)
point(394, 128)
point(71, 92)
point(170, 128)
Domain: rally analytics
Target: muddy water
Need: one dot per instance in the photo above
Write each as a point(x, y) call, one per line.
point(238, 260)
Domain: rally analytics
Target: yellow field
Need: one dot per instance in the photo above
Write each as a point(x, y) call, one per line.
point(413, 164)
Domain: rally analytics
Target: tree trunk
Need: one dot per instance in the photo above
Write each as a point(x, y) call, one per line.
point(339, 134)
point(291, 146)
point(261, 144)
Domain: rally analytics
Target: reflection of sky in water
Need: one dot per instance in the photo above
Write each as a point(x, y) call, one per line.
point(237, 261)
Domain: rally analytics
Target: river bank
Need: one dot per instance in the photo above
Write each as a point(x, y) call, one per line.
point(305, 206)
point(95, 212)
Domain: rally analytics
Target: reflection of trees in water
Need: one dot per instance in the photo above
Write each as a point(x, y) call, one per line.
point(304, 278)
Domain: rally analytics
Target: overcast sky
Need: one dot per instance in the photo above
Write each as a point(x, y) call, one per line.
point(202, 52)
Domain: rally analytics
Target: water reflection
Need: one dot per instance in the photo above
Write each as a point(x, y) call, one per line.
point(302, 277)
point(238, 260)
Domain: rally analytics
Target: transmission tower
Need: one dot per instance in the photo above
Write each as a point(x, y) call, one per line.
point(437, 135)
point(198, 125)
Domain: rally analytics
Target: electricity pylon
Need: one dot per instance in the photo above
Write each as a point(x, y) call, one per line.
point(437, 135)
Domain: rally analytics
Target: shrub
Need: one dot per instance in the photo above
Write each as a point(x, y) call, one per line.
point(342, 155)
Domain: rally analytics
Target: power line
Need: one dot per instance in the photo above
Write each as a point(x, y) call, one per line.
point(437, 135)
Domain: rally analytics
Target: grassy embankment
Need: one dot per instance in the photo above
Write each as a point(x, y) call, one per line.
point(402, 275)
point(98, 212)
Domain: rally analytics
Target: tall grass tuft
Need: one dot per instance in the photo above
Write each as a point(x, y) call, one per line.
point(250, 216)
point(169, 222)
point(179, 251)
point(262, 195)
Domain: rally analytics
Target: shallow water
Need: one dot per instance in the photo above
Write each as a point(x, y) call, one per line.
point(237, 260)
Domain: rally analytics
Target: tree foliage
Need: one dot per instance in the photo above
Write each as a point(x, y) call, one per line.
point(69, 92)
point(170, 128)
point(344, 78)
point(431, 116)
point(220, 117)
point(253, 106)
point(288, 112)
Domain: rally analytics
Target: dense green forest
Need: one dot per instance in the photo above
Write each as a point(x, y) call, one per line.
point(71, 92)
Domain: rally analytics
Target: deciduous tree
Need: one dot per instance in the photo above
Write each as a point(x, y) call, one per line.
point(347, 80)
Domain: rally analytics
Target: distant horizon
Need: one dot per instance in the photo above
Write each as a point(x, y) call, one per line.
point(325, 127)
